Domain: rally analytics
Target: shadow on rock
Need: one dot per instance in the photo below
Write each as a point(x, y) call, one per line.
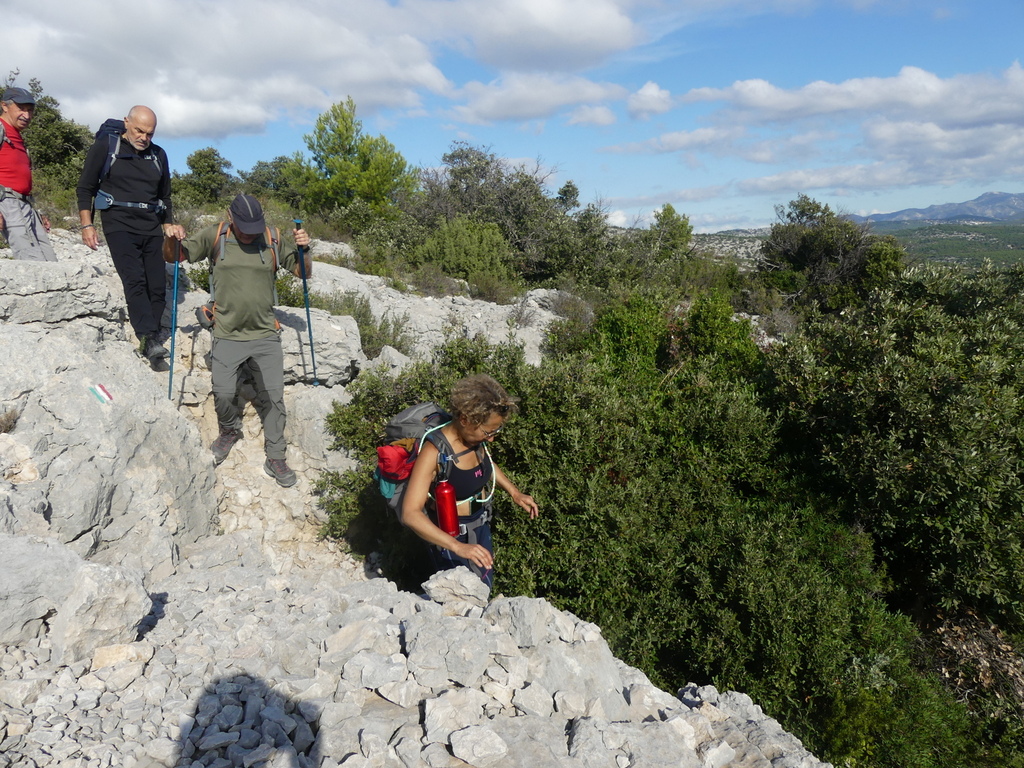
point(241, 720)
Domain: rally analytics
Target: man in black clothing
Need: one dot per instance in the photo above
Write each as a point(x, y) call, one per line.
point(133, 193)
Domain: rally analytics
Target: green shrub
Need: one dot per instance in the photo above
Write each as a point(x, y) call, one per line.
point(707, 330)
point(569, 333)
point(464, 248)
point(374, 334)
point(662, 507)
point(912, 410)
point(431, 280)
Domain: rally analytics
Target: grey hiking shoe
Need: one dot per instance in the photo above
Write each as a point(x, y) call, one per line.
point(222, 445)
point(280, 471)
point(152, 349)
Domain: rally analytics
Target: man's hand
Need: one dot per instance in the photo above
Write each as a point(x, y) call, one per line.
point(46, 222)
point(89, 236)
point(301, 237)
point(174, 230)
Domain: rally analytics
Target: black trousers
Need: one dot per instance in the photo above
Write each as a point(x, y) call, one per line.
point(139, 262)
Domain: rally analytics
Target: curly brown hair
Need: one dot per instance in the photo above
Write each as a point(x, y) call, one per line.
point(477, 397)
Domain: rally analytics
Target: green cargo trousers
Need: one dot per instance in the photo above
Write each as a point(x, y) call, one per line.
point(263, 361)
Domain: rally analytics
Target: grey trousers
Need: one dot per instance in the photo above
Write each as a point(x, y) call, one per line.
point(261, 360)
point(24, 231)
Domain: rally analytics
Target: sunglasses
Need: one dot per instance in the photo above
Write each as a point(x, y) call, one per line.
point(493, 432)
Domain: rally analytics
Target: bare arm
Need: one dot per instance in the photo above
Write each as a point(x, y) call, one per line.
point(414, 516)
point(521, 499)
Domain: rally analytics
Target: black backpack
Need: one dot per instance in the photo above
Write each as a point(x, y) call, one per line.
point(112, 129)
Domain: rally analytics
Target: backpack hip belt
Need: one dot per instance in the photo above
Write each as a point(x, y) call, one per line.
point(6, 192)
point(484, 518)
point(105, 200)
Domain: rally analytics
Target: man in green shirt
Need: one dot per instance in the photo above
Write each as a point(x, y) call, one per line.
point(243, 266)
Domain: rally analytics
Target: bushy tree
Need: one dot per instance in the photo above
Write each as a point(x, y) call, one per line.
point(816, 255)
point(274, 178)
point(348, 165)
point(466, 249)
point(207, 181)
point(912, 409)
point(477, 183)
point(669, 235)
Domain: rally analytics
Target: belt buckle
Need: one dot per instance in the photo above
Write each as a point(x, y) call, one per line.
point(462, 529)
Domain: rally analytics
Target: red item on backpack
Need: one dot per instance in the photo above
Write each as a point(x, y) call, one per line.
point(394, 462)
point(447, 511)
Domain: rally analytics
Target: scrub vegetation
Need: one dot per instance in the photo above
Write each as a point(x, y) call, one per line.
point(829, 518)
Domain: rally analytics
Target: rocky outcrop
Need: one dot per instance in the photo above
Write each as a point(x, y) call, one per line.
point(428, 319)
point(158, 611)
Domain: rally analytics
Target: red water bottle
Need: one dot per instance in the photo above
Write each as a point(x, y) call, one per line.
point(447, 510)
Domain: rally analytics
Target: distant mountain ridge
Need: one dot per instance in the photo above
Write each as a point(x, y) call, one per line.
point(991, 206)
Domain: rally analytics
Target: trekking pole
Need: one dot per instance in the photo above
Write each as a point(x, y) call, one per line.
point(174, 320)
point(305, 296)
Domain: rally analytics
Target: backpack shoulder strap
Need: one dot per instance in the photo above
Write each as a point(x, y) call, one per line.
point(436, 437)
point(219, 241)
point(273, 239)
point(113, 147)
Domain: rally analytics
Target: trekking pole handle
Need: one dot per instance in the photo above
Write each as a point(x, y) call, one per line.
point(302, 261)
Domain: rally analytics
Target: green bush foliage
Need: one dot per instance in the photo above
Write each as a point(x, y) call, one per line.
point(666, 520)
point(818, 256)
point(912, 409)
point(470, 250)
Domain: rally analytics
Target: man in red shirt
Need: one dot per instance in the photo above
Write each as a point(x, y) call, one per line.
point(23, 228)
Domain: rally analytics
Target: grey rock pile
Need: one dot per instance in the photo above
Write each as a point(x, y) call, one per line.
point(156, 611)
point(239, 666)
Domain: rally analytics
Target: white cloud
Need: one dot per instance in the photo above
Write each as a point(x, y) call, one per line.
point(619, 218)
point(530, 35)
point(591, 115)
point(870, 177)
point(652, 99)
point(873, 133)
point(706, 139)
point(214, 68)
point(530, 96)
point(963, 99)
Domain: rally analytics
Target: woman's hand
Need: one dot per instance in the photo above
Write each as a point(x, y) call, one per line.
point(476, 554)
point(526, 501)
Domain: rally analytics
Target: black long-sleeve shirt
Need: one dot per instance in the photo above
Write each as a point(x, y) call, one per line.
point(134, 177)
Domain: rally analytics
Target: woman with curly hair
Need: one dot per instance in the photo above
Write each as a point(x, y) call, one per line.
point(458, 452)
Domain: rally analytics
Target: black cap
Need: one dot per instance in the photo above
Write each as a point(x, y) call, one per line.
point(18, 96)
point(247, 215)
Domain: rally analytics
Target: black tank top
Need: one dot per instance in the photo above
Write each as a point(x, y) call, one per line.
point(469, 482)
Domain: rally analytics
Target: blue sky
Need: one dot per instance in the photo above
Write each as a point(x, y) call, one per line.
point(722, 108)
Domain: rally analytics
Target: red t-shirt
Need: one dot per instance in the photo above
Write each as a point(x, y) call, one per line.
point(15, 169)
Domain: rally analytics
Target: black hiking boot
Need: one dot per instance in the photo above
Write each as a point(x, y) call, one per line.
point(280, 471)
point(222, 445)
point(152, 349)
